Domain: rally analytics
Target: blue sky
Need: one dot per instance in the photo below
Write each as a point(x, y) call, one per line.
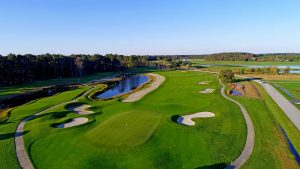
point(149, 27)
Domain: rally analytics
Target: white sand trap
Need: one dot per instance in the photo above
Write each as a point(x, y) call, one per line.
point(138, 95)
point(75, 122)
point(82, 109)
point(207, 91)
point(187, 119)
point(204, 82)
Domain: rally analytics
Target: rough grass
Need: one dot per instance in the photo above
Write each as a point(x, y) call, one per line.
point(281, 118)
point(292, 87)
point(270, 149)
point(211, 142)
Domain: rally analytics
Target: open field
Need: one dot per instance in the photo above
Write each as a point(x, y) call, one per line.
point(156, 140)
point(271, 149)
point(144, 134)
point(292, 87)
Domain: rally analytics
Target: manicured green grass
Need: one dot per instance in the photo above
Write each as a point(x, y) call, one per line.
point(8, 157)
point(151, 139)
point(270, 149)
point(124, 130)
point(17, 89)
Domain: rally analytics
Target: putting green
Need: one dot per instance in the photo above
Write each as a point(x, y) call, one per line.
point(124, 129)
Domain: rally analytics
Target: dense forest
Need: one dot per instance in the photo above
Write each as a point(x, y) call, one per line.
point(236, 56)
point(19, 69)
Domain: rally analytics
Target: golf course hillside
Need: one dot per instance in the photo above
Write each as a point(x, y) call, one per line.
point(141, 134)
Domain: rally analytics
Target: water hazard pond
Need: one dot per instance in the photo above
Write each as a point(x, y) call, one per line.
point(126, 85)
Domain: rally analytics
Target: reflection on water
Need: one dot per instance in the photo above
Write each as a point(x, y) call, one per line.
point(124, 86)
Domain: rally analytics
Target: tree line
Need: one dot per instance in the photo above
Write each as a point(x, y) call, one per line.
point(262, 71)
point(20, 69)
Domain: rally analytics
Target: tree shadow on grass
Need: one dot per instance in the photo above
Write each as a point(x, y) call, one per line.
point(72, 105)
point(58, 115)
point(213, 166)
point(12, 135)
point(174, 118)
point(92, 119)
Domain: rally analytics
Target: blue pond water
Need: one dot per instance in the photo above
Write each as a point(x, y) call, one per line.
point(291, 146)
point(236, 93)
point(124, 86)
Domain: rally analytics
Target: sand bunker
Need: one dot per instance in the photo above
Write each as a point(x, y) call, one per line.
point(158, 80)
point(75, 122)
point(82, 109)
point(204, 82)
point(187, 119)
point(207, 91)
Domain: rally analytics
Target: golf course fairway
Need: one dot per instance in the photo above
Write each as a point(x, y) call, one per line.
point(143, 134)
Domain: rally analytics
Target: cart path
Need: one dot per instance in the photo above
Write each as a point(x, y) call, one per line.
point(22, 155)
point(248, 148)
point(138, 95)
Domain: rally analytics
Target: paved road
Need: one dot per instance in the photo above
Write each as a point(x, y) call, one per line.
point(23, 157)
point(244, 156)
point(291, 111)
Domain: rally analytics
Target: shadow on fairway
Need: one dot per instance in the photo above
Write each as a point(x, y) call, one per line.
point(213, 166)
point(12, 135)
point(91, 117)
point(174, 118)
point(58, 115)
point(72, 105)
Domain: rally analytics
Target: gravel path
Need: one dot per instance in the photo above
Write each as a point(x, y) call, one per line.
point(138, 95)
point(23, 157)
point(291, 111)
point(244, 156)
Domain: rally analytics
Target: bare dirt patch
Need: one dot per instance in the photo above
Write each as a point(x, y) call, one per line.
point(251, 91)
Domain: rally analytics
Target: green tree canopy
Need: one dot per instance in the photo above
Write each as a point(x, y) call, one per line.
point(227, 76)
